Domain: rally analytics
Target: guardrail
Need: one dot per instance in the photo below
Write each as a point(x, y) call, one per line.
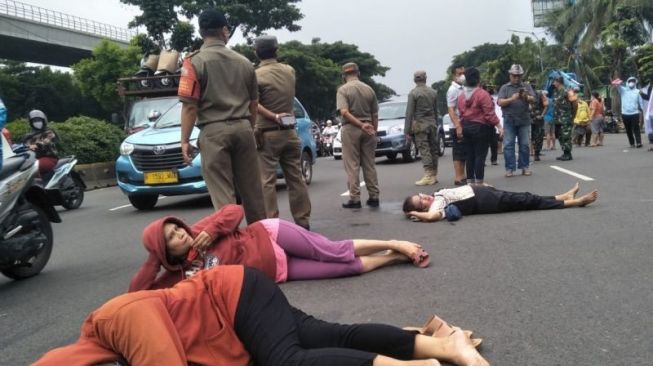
point(37, 14)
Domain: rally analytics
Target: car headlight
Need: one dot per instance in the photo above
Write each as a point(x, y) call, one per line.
point(396, 130)
point(126, 148)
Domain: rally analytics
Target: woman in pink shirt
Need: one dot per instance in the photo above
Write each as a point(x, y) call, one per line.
point(479, 121)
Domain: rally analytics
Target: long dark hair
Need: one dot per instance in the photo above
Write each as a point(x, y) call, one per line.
point(597, 96)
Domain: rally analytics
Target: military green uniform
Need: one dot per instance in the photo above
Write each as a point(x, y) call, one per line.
point(358, 147)
point(222, 84)
point(280, 144)
point(563, 116)
point(421, 111)
point(537, 124)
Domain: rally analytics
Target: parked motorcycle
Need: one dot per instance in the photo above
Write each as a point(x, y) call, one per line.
point(611, 122)
point(26, 238)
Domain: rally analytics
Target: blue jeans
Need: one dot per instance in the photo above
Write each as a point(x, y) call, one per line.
point(522, 133)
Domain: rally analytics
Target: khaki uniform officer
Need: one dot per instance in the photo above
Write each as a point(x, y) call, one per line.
point(421, 111)
point(276, 135)
point(218, 89)
point(357, 104)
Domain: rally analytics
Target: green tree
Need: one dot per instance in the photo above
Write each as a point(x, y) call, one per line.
point(24, 88)
point(161, 18)
point(97, 76)
point(317, 67)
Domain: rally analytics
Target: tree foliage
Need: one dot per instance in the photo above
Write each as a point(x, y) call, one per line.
point(24, 88)
point(165, 22)
point(97, 76)
point(318, 72)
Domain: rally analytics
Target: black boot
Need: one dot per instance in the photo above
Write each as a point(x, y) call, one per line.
point(565, 157)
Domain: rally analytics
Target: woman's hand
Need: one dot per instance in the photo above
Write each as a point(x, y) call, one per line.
point(202, 241)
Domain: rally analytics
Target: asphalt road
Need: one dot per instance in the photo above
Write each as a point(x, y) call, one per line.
point(565, 287)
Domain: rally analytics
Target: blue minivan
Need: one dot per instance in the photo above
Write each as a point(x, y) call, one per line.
point(151, 164)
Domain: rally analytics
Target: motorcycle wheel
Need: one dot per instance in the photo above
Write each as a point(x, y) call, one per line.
point(307, 168)
point(75, 196)
point(41, 258)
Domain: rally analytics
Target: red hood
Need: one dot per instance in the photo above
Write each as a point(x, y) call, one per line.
point(155, 243)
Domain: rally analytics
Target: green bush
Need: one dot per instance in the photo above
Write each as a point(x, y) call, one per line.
point(90, 140)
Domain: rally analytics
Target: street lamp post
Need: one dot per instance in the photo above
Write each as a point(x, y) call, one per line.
point(539, 44)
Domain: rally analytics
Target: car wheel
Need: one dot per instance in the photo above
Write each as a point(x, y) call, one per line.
point(392, 156)
point(337, 157)
point(411, 154)
point(441, 145)
point(307, 168)
point(144, 202)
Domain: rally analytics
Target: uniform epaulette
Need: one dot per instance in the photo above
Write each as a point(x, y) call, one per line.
point(191, 54)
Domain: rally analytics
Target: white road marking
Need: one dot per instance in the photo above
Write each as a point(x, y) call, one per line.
point(119, 207)
point(573, 174)
point(347, 192)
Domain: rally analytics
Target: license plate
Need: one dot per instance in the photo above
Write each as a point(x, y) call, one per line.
point(161, 177)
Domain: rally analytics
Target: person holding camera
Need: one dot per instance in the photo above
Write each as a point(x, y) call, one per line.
point(514, 99)
point(275, 130)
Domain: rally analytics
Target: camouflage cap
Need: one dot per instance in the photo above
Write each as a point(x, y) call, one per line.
point(349, 68)
point(420, 75)
point(265, 43)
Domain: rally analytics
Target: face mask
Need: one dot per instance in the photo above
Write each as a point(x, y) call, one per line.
point(461, 79)
point(38, 125)
point(631, 85)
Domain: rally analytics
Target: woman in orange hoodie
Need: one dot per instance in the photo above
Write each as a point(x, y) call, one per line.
point(236, 316)
point(280, 249)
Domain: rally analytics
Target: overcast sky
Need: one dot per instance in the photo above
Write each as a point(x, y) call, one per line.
point(403, 35)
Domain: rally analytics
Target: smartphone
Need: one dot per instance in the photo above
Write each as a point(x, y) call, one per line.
point(288, 120)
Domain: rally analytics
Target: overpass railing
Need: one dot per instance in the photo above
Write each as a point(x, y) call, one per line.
point(37, 14)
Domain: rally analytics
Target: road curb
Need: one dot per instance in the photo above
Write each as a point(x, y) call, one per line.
point(98, 175)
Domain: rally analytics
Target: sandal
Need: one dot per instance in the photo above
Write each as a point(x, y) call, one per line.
point(508, 174)
point(526, 172)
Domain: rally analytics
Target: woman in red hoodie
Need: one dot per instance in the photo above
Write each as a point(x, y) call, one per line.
point(236, 316)
point(280, 249)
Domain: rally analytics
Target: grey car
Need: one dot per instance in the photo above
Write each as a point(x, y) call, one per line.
point(391, 136)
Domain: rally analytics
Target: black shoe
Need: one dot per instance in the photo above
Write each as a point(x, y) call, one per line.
point(495, 163)
point(565, 157)
point(373, 202)
point(307, 227)
point(537, 158)
point(639, 146)
point(352, 204)
point(632, 145)
point(462, 182)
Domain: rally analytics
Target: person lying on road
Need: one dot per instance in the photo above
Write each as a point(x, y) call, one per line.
point(236, 316)
point(453, 203)
point(282, 250)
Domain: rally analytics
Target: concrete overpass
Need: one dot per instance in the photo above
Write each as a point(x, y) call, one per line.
point(33, 34)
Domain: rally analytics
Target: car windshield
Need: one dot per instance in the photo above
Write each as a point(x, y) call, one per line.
point(170, 118)
point(141, 109)
point(392, 111)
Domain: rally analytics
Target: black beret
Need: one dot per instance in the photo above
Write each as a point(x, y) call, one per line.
point(211, 19)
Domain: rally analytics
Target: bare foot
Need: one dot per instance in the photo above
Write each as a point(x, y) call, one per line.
point(463, 352)
point(571, 194)
point(413, 251)
point(588, 198)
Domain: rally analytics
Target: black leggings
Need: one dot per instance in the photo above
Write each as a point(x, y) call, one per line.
point(476, 137)
point(276, 334)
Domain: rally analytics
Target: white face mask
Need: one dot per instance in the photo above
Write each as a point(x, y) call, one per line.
point(38, 124)
point(461, 79)
point(631, 85)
